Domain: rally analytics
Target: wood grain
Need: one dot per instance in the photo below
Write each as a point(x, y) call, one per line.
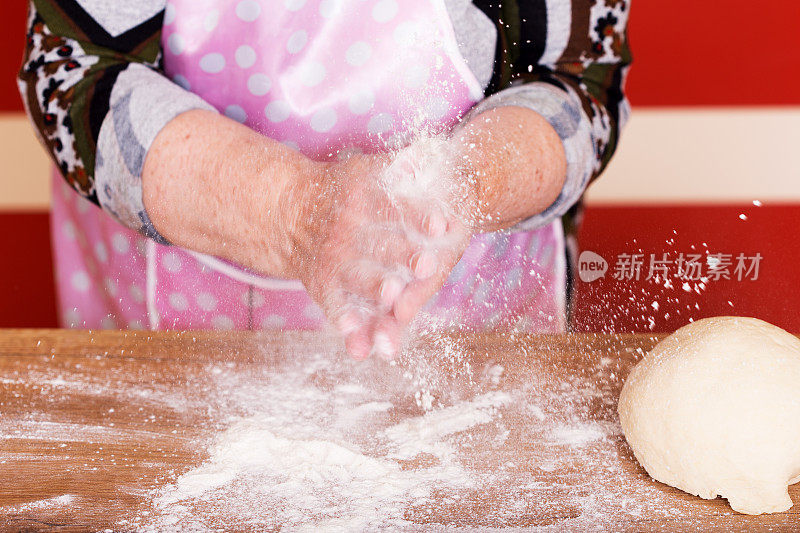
point(93, 422)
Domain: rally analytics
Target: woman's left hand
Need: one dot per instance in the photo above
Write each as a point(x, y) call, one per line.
point(429, 175)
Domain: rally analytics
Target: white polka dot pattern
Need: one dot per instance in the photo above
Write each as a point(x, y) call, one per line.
point(211, 20)
point(384, 10)
point(311, 74)
point(259, 84)
point(178, 302)
point(172, 262)
point(212, 63)
point(182, 81)
point(206, 301)
point(72, 318)
point(120, 243)
point(101, 252)
point(273, 322)
point(248, 10)
point(222, 322)
point(245, 56)
point(358, 53)
point(69, 230)
point(416, 76)
point(361, 102)
point(81, 281)
point(380, 124)
point(294, 5)
point(323, 120)
point(169, 14)
point(329, 8)
point(137, 294)
point(297, 41)
point(236, 112)
point(176, 44)
point(277, 111)
point(110, 286)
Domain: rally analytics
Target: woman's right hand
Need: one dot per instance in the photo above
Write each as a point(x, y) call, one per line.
point(359, 246)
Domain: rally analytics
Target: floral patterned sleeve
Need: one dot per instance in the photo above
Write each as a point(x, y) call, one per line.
point(84, 77)
point(567, 60)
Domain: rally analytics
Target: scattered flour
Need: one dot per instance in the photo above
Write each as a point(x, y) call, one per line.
point(578, 434)
point(426, 434)
point(56, 501)
point(322, 444)
point(303, 469)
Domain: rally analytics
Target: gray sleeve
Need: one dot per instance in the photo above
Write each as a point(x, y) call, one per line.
point(142, 103)
point(476, 37)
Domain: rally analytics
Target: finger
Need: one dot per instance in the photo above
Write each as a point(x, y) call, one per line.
point(424, 220)
point(357, 344)
point(374, 282)
point(421, 217)
point(435, 224)
point(423, 264)
point(389, 246)
point(393, 253)
point(397, 254)
point(412, 299)
point(355, 323)
point(391, 288)
point(349, 322)
point(352, 322)
point(386, 340)
point(348, 312)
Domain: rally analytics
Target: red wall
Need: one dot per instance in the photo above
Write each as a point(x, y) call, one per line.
point(701, 52)
point(27, 289)
point(625, 306)
point(12, 43)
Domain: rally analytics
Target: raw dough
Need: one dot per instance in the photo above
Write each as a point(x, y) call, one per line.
point(714, 409)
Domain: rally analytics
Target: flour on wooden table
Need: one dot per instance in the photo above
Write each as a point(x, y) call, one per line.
point(317, 448)
point(324, 444)
point(296, 455)
point(55, 501)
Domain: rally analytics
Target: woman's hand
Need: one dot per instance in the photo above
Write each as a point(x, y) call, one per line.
point(374, 242)
point(215, 186)
point(373, 237)
point(369, 237)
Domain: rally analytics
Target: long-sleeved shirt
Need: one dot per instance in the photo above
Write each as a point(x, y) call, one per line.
point(565, 59)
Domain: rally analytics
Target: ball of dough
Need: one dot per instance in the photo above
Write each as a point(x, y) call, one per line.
point(714, 409)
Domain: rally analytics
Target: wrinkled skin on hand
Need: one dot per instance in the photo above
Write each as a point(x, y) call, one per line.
point(377, 237)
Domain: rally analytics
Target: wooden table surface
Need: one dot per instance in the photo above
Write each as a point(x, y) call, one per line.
point(95, 425)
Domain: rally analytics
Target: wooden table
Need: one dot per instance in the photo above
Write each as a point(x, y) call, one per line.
point(96, 425)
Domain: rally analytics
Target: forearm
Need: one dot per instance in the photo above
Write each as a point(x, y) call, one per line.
point(517, 162)
point(214, 186)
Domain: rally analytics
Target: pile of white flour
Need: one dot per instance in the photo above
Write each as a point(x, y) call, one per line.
point(316, 453)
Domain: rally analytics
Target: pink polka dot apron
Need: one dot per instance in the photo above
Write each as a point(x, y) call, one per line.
point(324, 77)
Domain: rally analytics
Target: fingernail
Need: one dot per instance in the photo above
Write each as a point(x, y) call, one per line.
point(348, 323)
point(384, 347)
point(391, 287)
point(358, 348)
point(436, 224)
point(423, 264)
